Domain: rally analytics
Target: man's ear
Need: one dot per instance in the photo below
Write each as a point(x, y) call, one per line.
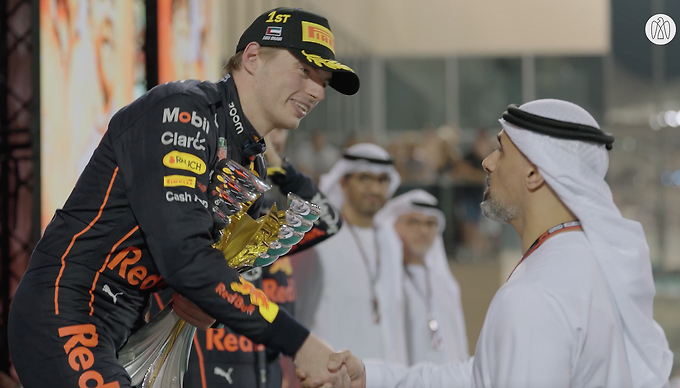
point(250, 57)
point(534, 179)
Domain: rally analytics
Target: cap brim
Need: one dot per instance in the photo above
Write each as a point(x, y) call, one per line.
point(344, 80)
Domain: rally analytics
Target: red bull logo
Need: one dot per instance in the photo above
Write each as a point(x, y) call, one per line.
point(268, 310)
point(283, 265)
point(279, 293)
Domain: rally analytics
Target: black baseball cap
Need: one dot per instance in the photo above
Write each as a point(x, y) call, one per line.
point(306, 35)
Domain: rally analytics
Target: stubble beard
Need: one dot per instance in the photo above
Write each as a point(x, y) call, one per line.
point(418, 252)
point(495, 210)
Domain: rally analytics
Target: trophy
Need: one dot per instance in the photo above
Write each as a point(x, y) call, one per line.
point(157, 355)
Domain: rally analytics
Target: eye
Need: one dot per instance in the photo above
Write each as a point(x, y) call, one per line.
point(305, 71)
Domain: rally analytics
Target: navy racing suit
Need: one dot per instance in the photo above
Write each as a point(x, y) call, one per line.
point(138, 221)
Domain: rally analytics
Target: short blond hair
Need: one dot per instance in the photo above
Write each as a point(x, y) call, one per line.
point(236, 60)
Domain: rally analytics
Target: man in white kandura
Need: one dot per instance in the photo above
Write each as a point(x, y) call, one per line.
point(435, 327)
point(349, 293)
point(577, 309)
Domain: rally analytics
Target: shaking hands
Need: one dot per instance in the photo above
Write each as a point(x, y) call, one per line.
point(338, 364)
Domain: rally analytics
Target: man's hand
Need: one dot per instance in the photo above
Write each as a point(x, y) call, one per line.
point(311, 362)
point(355, 367)
point(188, 311)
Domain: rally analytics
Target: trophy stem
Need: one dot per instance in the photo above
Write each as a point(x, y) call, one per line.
point(174, 333)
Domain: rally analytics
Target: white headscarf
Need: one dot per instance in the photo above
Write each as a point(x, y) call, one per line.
point(575, 170)
point(445, 288)
point(363, 157)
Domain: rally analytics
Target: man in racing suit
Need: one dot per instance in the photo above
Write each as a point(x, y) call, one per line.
point(139, 218)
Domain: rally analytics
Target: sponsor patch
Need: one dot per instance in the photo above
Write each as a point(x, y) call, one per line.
point(176, 139)
point(182, 161)
point(185, 197)
point(221, 340)
point(82, 338)
point(178, 197)
point(235, 118)
point(179, 180)
point(274, 18)
point(269, 310)
point(283, 265)
point(174, 115)
point(316, 33)
point(273, 33)
point(278, 293)
point(125, 261)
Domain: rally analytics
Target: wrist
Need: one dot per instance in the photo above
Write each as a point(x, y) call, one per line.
point(311, 347)
point(289, 335)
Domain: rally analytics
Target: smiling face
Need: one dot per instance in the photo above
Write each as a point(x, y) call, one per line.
point(504, 192)
point(287, 89)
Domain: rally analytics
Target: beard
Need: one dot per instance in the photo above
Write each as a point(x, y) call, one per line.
point(494, 209)
point(364, 206)
point(418, 250)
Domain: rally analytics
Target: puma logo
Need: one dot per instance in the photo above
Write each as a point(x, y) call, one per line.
point(107, 289)
point(227, 375)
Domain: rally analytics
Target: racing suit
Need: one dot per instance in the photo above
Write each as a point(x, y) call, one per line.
point(219, 356)
point(136, 222)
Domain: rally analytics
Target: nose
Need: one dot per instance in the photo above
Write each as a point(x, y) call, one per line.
point(375, 187)
point(488, 163)
point(316, 91)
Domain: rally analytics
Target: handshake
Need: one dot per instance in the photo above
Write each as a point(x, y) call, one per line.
point(318, 367)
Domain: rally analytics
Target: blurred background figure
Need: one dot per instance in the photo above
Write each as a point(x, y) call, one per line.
point(435, 326)
point(316, 156)
point(349, 289)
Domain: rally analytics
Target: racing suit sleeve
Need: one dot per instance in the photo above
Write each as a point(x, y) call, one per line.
point(279, 286)
point(164, 158)
point(290, 180)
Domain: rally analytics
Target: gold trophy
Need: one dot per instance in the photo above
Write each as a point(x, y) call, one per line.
point(157, 355)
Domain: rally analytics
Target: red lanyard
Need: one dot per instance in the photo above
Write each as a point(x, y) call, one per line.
point(565, 227)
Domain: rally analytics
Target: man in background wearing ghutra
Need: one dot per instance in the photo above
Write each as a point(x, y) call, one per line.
point(349, 289)
point(577, 310)
point(435, 327)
